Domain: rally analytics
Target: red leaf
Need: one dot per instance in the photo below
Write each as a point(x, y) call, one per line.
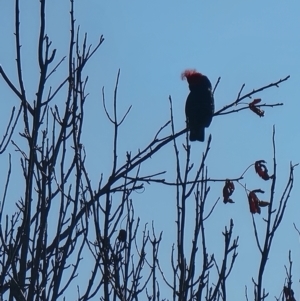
point(228, 190)
point(253, 203)
point(255, 109)
point(262, 170)
point(255, 101)
point(263, 204)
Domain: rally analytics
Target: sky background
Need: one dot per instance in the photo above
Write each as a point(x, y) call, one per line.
point(253, 43)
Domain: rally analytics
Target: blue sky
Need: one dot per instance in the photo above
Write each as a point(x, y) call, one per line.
point(251, 43)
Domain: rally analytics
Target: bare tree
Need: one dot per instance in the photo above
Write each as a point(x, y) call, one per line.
point(61, 217)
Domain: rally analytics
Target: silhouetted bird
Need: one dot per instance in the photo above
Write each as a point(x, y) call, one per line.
point(122, 235)
point(199, 107)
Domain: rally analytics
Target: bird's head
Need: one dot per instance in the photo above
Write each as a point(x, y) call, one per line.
point(196, 80)
point(192, 76)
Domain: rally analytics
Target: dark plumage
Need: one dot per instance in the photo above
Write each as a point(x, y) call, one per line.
point(199, 107)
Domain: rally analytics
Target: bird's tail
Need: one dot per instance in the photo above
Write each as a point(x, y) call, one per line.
point(197, 134)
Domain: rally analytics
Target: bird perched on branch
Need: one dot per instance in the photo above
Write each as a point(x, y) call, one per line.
point(199, 107)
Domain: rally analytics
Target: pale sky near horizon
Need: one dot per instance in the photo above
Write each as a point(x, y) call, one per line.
point(253, 43)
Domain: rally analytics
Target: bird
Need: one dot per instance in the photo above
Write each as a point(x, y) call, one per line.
point(199, 107)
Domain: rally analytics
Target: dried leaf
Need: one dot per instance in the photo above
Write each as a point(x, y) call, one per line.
point(255, 109)
point(228, 190)
point(262, 170)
